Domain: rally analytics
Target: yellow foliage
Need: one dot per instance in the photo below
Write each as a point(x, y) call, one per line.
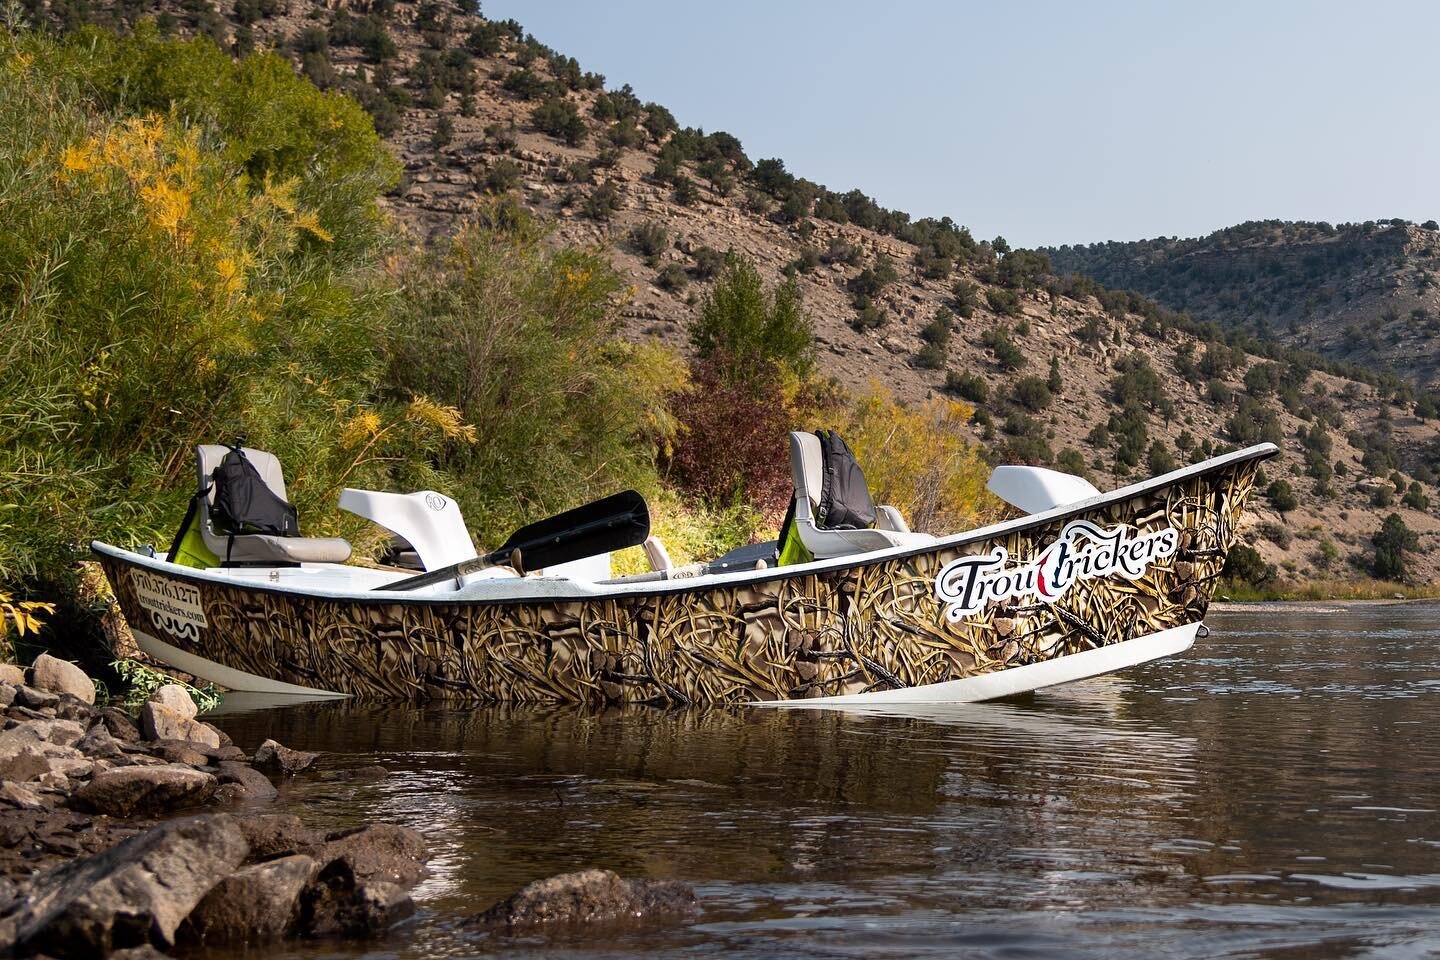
point(448, 420)
point(363, 426)
point(920, 460)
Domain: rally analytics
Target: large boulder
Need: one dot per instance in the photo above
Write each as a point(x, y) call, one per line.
point(378, 852)
point(260, 902)
point(338, 904)
point(159, 722)
point(273, 756)
point(39, 750)
point(133, 894)
point(588, 897)
point(12, 674)
point(61, 676)
point(251, 784)
point(120, 724)
point(277, 835)
point(146, 790)
point(175, 697)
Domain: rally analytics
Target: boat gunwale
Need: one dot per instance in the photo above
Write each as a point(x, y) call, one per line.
point(620, 589)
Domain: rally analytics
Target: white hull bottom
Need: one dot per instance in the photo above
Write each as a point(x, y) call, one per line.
point(991, 686)
point(1034, 676)
point(227, 677)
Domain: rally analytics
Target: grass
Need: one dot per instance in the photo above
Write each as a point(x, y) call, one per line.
point(1328, 590)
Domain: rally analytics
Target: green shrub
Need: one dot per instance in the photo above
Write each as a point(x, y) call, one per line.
point(501, 300)
point(559, 118)
point(650, 239)
point(1070, 460)
point(868, 316)
point(1032, 393)
point(1244, 565)
point(966, 297)
point(152, 295)
point(967, 386)
point(672, 277)
point(1007, 354)
point(755, 330)
point(1282, 496)
point(930, 357)
point(936, 333)
point(503, 176)
point(1415, 498)
point(1002, 301)
point(708, 262)
point(686, 193)
point(602, 202)
point(1392, 541)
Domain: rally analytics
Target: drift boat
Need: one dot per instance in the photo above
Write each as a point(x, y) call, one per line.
point(1085, 583)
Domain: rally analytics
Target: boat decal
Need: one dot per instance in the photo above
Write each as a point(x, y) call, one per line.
point(173, 606)
point(1083, 551)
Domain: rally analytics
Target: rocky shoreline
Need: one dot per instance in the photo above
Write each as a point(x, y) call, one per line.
point(123, 836)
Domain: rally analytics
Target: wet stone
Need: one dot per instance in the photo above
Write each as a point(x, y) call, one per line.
point(145, 790)
point(588, 897)
point(273, 756)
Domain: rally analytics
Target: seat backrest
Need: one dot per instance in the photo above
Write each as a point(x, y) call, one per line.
point(807, 470)
point(209, 455)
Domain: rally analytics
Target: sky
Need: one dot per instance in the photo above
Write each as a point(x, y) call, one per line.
point(1049, 122)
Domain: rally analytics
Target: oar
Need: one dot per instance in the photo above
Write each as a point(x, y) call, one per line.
point(612, 523)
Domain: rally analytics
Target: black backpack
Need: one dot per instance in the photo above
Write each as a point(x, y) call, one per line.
point(845, 502)
point(244, 503)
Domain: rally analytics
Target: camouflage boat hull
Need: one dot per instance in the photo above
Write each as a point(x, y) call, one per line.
point(947, 621)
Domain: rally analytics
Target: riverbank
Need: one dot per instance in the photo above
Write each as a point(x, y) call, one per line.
point(130, 833)
point(1327, 590)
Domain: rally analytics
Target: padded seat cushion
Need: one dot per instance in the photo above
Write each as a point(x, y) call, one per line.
point(263, 548)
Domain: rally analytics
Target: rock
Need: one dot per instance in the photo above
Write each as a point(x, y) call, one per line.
point(339, 905)
point(257, 903)
point(97, 742)
point(146, 952)
point(35, 699)
point(20, 796)
point(132, 791)
point(24, 764)
point(378, 851)
point(73, 708)
point(586, 897)
point(159, 722)
point(120, 724)
point(371, 772)
point(133, 894)
point(175, 697)
point(277, 834)
point(7, 694)
point(179, 751)
point(228, 751)
point(64, 733)
point(61, 676)
point(255, 784)
point(273, 756)
point(12, 674)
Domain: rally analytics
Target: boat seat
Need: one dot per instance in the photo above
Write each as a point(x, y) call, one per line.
point(259, 548)
point(807, 469)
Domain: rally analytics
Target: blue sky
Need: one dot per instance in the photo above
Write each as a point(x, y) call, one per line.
point(1049, 122)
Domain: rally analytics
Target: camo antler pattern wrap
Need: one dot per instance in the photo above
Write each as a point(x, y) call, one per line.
point(873, 626)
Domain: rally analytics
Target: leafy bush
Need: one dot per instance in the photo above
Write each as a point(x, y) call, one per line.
point(1416, 498)
point(1002, 301)
point(966, 297)
point(708, 262)
point(1136, 382)
point(967, 386)
point(602, 202)
point(142, 272)
point(1070, 460)
point(650, 239)
point(559, 118)
point(868, 316)
point(1392, 541)
point(672, 277)
point(930, 357)
point(1282, 496)
point(753, 329)
point(492, 300)
point(733, 442)
point(503, 176)
point(1007, 354)
point(1244, 565)
point(1032, 393)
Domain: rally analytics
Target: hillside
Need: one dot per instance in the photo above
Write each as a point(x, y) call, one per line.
point(1360, 293)
point(1062, 372)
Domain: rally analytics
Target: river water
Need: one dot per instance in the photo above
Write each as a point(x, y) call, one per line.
point(1275, 792)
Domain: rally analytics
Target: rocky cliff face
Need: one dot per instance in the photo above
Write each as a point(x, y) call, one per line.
point(459, 101)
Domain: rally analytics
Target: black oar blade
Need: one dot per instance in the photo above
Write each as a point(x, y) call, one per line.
point(612, 523)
